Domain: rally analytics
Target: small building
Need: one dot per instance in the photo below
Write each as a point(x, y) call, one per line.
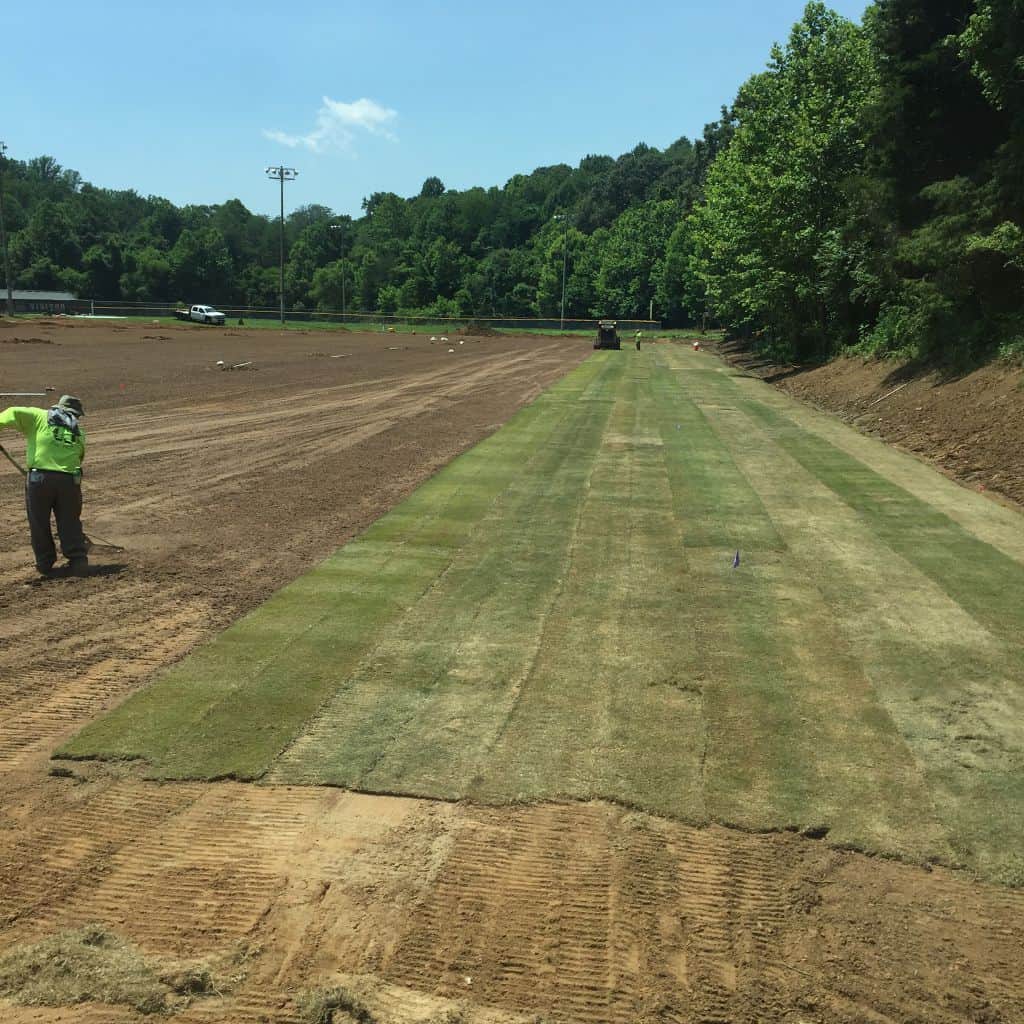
point(28, 301)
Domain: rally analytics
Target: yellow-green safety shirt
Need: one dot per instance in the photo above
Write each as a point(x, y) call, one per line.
point(46, 447)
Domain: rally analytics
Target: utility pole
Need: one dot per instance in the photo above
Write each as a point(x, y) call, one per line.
point(565, 252)
point(3, 233)
point(282, 174)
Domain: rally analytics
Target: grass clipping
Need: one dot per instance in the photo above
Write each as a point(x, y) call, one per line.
point(91, 965)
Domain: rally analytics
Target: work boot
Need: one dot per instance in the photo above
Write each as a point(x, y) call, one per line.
point(44, 570)
point(79, 567)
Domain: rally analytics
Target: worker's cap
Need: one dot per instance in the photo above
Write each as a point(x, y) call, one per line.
point(72, 404)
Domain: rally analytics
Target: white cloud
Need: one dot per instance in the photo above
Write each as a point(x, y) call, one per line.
point(337, 123)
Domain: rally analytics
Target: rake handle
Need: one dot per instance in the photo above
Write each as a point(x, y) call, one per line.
point(14, 462)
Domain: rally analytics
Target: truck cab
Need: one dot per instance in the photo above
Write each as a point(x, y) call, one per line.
point(206, 315)
point(201, 315)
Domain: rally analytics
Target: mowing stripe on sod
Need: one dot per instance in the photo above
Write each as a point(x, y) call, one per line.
point(949, 686)
point(556, 615)
point(795, 734)
point(612, 705)
point(426, 701)
point(997, 525)
point(985, 581)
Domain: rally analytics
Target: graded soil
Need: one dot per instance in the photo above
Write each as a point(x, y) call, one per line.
point(224, 485)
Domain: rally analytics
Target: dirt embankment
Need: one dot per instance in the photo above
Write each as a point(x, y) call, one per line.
point(970, 426)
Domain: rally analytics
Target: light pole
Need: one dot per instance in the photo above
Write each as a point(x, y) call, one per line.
point(565, 252)
point(282, 174)
point(3, 233)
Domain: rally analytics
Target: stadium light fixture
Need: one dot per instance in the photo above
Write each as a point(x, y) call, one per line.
point(282, 174)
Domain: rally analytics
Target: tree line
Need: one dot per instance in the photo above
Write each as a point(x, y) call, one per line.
point(865, 191)
point(496, 251)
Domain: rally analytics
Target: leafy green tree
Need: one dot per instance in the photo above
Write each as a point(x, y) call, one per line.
point(388, 299)
point(48, 238)
point(679, 294)
point(258, 287)
point(303, 217)
point(332, 285)
point(564, 243)
point(103, 266)
point(318, 244)
point(146, 276)
point(631, 259)
point(200, 265)
point(951, 283)
point(774, 197)
point(432, 188)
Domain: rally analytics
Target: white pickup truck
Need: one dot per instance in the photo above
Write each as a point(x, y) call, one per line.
point(201, 315)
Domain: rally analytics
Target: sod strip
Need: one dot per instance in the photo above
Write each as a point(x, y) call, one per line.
point(949, 686)
point(995, 524)
point(984, 581)
point(423, 707)
point(716, 505)
point(779, 690)
point(612, 705)
point(235, 703)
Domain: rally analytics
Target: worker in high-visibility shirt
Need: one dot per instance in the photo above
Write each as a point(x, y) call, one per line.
point(54, 449)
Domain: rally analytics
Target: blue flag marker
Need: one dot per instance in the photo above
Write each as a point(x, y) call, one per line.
point(736, 560)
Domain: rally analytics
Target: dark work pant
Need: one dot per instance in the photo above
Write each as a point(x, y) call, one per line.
point(59, 495)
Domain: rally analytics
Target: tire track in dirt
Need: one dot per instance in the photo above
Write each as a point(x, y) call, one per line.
point(92, 1014)
point(48, 859)
point(207, 875)
point(578, 912)
point(85, 672)
point(607, 916)
point(263, 1006)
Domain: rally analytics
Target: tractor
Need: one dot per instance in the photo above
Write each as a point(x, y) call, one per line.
point(607, 335)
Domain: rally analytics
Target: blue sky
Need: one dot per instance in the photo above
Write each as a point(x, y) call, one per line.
point(191, 101)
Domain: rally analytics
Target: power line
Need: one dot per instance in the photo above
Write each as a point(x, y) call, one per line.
point(282, 174)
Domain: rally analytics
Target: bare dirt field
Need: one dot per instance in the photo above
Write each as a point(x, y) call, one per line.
point(225, 485)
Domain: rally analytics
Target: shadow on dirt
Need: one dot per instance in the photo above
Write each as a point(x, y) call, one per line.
point(63, 572)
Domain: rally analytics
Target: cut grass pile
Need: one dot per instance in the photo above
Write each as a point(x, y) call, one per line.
point(91, 965)
point(556, 615)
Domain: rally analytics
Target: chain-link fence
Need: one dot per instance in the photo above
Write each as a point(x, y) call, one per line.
point(101, 308)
